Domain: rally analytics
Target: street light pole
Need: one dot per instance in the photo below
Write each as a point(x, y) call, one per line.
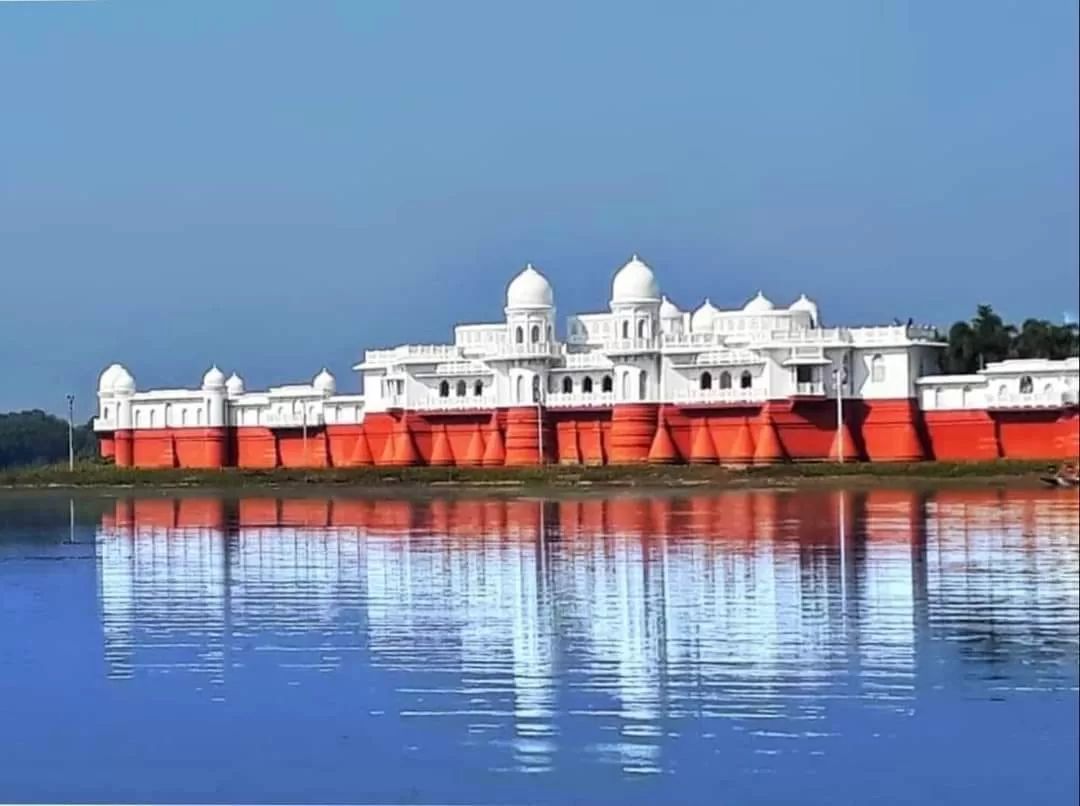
point(838, 380)
point(71, 432)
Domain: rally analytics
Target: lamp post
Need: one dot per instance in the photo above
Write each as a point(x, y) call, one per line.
point(71, 432)
point(839, 379)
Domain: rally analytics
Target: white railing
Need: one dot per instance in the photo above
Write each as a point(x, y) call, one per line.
point(1039, 400)
point(630, 345)
point(730, 358)
point(463, 368)
point(587, 361)
point(414, 352)
point(579, 399)
point(290, 419)
point(753, 395)
point(676, 340)
point(810, 389)
point(455, 403)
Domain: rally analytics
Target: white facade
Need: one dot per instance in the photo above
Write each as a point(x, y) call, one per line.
point(1025, 383)
point(643, 348)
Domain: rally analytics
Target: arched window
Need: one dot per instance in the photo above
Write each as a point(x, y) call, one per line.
point(549, 333)
point(461, 387)
point(478, 389)
point(138, 418)
point(705, 381)
point(519, 335)
point(965, 396)
point(725, 380)
point(877, 369)
point(746, 380)
point(153, 416)
point(198, 416)
point(586, 386)
point(939, 398)
point(567, 385)
point(626, 386)
point(1003, 391)
point(536, 388)
point(444, 389)
point(607, 385)
point(625, 329)
point(105, 415)
point(1048, 389)
point(1027, 386)
point(183, 416)
point(643, 386)
point(535, 334)
point(641, 329)
point(519, 389)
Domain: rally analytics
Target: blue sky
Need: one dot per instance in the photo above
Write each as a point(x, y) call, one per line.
point(275, 186)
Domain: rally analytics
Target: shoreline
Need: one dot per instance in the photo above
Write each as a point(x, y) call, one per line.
point(530, 479)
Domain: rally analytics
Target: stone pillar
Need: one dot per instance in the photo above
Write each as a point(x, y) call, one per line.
point(124, 455)
point(522, 436)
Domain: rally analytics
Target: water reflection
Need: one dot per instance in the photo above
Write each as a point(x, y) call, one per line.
point(614, 626)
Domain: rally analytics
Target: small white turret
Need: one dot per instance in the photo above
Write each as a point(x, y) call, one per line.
point(704, 317)
point(213, 379)
point(324, 383)
point(759, 304)
point(234, 387)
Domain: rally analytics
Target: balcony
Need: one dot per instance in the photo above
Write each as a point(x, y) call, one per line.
point(704, 397)
point(810, 389)
point(291, 419)
point(570, 400)
point(630, 346)
point(1041, 400)
point(464, 403)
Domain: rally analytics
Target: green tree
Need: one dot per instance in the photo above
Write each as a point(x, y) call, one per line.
point(34, 437)
point(987, 337)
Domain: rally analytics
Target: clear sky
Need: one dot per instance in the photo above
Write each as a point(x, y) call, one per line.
point(275, 186)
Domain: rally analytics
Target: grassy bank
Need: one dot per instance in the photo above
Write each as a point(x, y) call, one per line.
point(102, 475)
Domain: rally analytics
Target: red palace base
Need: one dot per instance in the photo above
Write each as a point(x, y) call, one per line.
point(760, 434)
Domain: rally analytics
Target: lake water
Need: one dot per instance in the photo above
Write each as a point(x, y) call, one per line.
point(812, 647)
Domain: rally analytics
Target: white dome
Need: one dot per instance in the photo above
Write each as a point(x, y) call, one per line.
point(108, 378)
point(530, 289)
point(235, 385)
point(635, 282)
point(704, 317)
point(324, 382)
point(669, 310)
point(213, 379)
point(759, 304)
point(123, 383)
point(804, 303)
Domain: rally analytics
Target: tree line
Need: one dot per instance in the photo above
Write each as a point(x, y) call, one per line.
point(987, 337)
point(34, 437)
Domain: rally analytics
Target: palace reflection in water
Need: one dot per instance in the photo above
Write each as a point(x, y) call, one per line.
point(617, 627)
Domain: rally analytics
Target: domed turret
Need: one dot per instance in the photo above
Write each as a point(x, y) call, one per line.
point(108, 379)
point(123, 383)
point(805, 305)
point(214, 379)
point(324, 382)
point(234, 387)
point(759, 304)
point(704, 317)
point(669, 310)
point(529, 290)
point(635, 283)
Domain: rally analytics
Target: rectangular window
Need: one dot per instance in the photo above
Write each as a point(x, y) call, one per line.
point(804, 374)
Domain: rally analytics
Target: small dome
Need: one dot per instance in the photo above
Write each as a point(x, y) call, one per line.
point(759, 304)
point(108, 378)
point(804, 303)
point(669, 310)
point(635, 282)
point(123, 383)
point(704, 317)
point(530, 289)
point(213, 379)
point(235, 385)
point(324, 382)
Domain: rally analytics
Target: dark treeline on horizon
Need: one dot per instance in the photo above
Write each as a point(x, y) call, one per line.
point(34, 437)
